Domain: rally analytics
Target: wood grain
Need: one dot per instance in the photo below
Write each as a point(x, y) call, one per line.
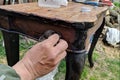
point(72, 13)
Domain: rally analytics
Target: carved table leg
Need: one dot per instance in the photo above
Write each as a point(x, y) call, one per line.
point(11, 41)
point(75, 59)
point(95, 39)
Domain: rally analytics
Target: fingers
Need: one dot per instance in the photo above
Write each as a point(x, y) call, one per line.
point(60, 57)
point(61, 46)
point(52, 40)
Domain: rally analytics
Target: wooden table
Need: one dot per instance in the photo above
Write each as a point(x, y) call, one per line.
point(76, 27)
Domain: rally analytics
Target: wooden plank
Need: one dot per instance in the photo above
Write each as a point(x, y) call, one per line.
point(72, 13)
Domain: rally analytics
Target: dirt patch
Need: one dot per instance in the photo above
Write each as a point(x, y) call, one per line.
point(111, 52)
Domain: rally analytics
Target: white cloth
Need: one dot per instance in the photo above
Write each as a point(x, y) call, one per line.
point(113, 36)
point(49, 76)
point(52, 3)
point(2, 77)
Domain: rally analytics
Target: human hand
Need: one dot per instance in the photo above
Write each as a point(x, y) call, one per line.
point(42, 58)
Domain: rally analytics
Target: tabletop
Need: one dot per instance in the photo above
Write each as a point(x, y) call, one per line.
point(71, 13)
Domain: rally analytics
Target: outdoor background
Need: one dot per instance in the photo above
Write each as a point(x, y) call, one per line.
point(106, 57)
point(106, 61)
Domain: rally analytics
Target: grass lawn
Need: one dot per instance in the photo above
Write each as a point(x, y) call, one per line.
point(106, 62)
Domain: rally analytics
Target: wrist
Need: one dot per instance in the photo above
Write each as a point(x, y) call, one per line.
point(22, 71)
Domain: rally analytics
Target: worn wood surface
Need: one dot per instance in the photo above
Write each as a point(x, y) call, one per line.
point(72, 13)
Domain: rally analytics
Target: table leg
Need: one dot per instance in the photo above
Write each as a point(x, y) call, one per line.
point(11, 41)
point(4, 2)
point(95, 39)
point(75, 65)
point(75, 60)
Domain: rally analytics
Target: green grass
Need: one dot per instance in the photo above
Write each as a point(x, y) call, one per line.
point(61, 71)
point(85, 73)
point(2, 50)
point(117, 4)
point(104, 69)
point(95, 56)
point(114, 68)
point(24, 46)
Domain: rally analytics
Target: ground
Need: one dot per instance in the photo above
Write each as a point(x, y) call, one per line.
point(106, 62)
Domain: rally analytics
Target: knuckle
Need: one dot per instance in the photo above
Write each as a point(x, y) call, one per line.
point(54, 63)
point(53, 59)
